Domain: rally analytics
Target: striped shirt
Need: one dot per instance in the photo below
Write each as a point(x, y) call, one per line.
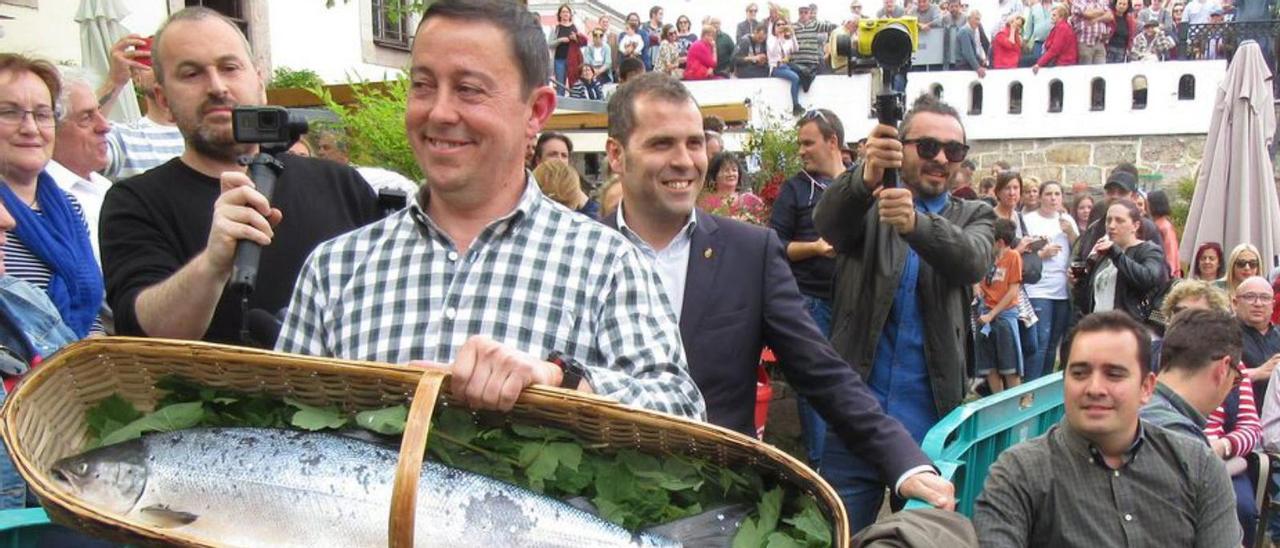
point(1247, 433)
point(139, 146)
point(23, 264)
point(810, 37)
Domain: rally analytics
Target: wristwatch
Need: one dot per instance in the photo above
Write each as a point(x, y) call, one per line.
point(572, 371)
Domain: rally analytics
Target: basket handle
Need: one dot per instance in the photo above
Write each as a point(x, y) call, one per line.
point(404, 492)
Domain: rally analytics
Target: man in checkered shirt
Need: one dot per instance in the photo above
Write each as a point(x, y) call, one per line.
point(483, 274)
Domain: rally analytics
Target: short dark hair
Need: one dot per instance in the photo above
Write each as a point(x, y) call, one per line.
point(628, 67)
point(828, 123)
point(654, 11)
point(1008, 176)
point(1006, 232)
point(1047, 184)
point(986, 183)
point(1158, 204)
point(1196, 337)
point(1135, 214)
point(528, 44)
point(1113, 321)
point(194, 13)
point(713, 123)
point(548, 136)
point(928, 102)
point(719, 162)
point(622, 105)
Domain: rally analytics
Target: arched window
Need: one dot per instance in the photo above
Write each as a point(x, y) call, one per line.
point(1139, 92)
point(936, 90)
point(1098, 94)
point(975, 99)
point(1187, 88)
point(1015, 98)
point(1055, 95)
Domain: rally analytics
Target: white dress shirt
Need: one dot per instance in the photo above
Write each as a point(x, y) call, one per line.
point(89, 191)
point(671, 262)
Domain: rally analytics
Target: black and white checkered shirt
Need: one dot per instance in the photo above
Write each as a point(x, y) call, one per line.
point(539, 279)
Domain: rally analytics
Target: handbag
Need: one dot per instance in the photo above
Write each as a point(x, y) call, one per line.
point(1032, 264)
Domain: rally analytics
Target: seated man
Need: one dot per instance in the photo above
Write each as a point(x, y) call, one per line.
point(169, 235)
point(1102, 477)
point(1199, 367)
point(483, 272)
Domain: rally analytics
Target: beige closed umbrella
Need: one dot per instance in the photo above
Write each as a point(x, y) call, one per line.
point(99, 29)
point(1235, 200)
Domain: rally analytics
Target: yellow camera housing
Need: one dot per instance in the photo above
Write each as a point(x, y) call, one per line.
point(869, 28)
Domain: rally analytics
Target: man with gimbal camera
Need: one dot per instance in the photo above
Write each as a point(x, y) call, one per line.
point(170, 235)
point(906, 259)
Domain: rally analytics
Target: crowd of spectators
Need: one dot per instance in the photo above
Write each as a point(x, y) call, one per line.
point(1020, 33)
point(1030, 285)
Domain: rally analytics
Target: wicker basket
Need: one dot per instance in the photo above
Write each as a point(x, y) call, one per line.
point(44, 420)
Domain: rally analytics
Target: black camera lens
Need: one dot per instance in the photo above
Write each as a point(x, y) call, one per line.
point(268, 121)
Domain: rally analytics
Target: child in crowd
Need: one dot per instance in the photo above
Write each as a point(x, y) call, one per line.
point(997, 344)
point(587, 87)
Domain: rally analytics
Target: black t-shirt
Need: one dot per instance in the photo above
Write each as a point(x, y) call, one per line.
point(562, 50)
point(155, 223)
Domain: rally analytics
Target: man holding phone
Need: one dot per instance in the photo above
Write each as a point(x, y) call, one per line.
point(152, 139)
point(906, 262)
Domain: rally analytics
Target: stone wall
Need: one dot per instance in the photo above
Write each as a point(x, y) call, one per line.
point(1082, 159)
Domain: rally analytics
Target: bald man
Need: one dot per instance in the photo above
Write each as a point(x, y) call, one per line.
point(1253, 302)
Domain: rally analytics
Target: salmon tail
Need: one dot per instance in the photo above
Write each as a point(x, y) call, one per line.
point(712, 529)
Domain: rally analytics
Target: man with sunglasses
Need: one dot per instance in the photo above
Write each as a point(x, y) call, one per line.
point(732, 290)
point(906, 260)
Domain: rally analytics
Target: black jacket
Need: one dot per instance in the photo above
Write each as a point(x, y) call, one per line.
point(1139, 270)
point(955, 249)
point(739, 295)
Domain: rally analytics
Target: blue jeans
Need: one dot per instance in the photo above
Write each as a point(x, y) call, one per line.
point(855, 480)
point(1246, 509)
point(13, 491)
point(999, 350)
point(562, 71)
point(812, 427)
point(1054, 315)
point(785, 72)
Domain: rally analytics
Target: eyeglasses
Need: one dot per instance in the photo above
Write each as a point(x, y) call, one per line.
point(1246, 263)
point(42, 116)
point(752, 10)
point(1255, 298)
point(1237, 378)
point(928, 147)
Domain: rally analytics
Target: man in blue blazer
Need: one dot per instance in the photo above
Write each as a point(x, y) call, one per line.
point(970, 53)
point(731, 288)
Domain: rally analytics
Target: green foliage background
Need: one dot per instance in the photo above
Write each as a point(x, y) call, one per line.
point(777, 148)
point(285, 77)
point(375, 125)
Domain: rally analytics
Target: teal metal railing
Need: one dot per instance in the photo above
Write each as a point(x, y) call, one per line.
point(965, 443)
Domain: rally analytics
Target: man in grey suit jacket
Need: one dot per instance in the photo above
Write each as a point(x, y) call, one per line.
point(971, 51)
point(749, 24)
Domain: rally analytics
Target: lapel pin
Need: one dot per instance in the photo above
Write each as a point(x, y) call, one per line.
point(707, 253)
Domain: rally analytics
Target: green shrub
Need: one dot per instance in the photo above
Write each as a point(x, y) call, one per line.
point(1184, 192)
point(375, 125)
point(285, 77)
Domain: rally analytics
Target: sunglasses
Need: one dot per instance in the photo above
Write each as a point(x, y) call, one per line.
point(1246, 263)
point(928, 147)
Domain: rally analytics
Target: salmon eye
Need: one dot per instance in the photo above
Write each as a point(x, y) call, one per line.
point(82, 468)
